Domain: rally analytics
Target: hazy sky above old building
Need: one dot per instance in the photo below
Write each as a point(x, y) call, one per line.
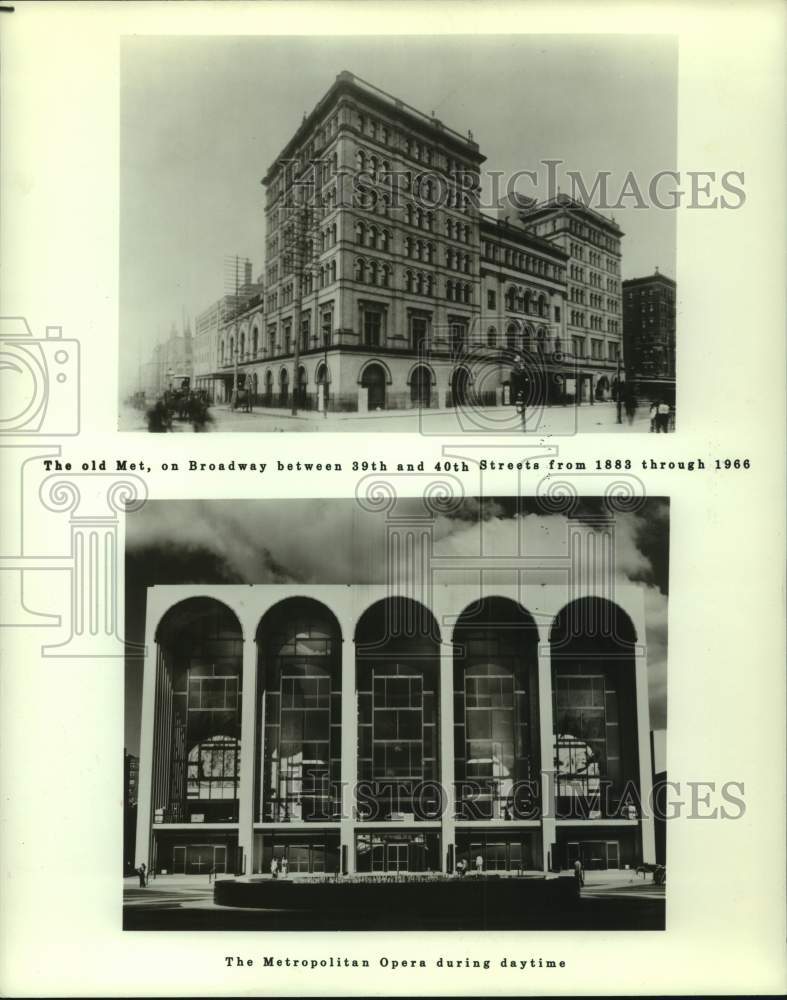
point(338, 541)
point(202, 118)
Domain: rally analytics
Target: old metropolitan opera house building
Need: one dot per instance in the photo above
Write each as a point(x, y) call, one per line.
point(409, 295)
point(352, 731)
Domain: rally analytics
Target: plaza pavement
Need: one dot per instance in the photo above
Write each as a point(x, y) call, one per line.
point(619, 900)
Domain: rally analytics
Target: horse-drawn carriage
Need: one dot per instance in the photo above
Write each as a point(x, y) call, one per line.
point(242, 397)
point(180, 402)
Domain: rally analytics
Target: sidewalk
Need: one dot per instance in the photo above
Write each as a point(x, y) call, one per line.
point(486, 421)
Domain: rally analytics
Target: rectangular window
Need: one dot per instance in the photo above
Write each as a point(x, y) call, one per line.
point(327, 327)
point(456, 335)
point(398, 726)
point(372, 327)
point(581, 734)
point(419, 329)
point(491, 299)
point(305, 331)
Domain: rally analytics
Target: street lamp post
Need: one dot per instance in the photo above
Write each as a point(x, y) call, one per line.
point(325, 376)
point(620, 394)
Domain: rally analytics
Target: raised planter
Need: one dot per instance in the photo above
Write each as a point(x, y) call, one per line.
point(435, 898)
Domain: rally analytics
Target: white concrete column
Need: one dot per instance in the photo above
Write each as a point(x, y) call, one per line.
point(645, 764)
point(247, 755)
point(146, 741)
point(448, 823)
point(545, 727)
point(349, 770)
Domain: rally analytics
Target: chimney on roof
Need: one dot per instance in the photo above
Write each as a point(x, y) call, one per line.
point(657, 268)
point(247, 272)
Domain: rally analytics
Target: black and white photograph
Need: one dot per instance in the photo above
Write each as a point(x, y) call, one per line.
point(315, 237)
point(431, 715)
point(480, 691)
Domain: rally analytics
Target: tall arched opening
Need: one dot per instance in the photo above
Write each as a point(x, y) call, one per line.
point(373, 382)
point(496, 735)
point(592, 648)
point(298, 764)
point(397, 668)
point(196, 742)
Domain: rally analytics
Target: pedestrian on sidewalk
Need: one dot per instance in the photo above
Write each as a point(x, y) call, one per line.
point(275, 867)
point(518, 388)
point(663, 417)
point(579, 874)
point(284, 867)
point(629, 402)
point(143, 875)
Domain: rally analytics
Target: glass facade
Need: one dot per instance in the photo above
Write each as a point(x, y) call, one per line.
point(518, 852)
point(398, 823)
point(200, 684)
point(301, 767)
point(306, 853)
point(495, 719)
point(394, 853)
point(594, 713)
point(397, 675)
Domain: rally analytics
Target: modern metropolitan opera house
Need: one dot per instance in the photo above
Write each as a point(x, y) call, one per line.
point(352, 731)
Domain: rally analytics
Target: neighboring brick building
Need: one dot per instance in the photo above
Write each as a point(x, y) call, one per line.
point(649, 328)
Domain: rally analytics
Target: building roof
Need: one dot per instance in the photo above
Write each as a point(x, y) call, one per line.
point(649, 279)
point(506, 229)
point(347, 83)
point(563, 203)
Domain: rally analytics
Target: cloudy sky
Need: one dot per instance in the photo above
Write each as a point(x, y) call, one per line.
point(319, 541)
point(202, 118)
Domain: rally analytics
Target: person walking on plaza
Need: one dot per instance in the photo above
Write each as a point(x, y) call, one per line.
point(142, 872)
point(579, 875)
point(654, 412)
point(274, 867)
point(284, 867)
point(479, 865)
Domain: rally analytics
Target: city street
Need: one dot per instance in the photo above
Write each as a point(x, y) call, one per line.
point(556, 420)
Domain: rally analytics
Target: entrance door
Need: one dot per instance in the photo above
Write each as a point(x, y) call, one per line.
point(199, 859)
point(179, 860)
point(613, 854)
point(460, 387)
point(396, 857)
point(298, 857)
point(374, 381)
point(220, 859)
point(421, 387)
